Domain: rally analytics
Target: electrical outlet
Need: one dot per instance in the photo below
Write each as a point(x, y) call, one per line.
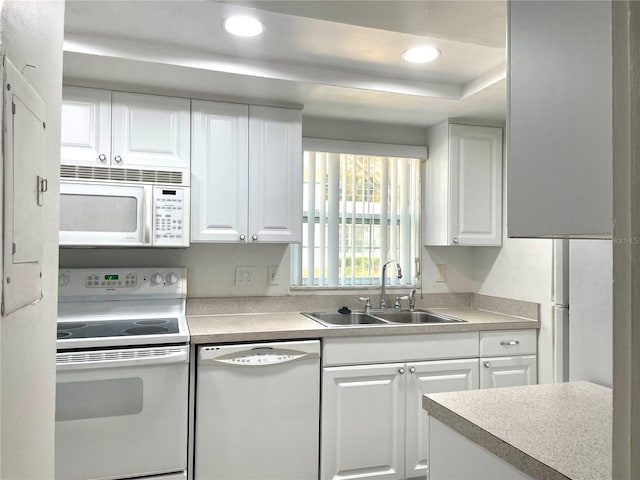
point(245, 276)
point(272, 275)
point(441, 272)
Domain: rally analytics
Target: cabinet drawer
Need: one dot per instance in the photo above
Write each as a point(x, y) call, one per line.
point(399, 348)
point(508, 342)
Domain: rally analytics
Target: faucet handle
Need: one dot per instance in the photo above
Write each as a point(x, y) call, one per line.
point(397, 304)
point(367, 302)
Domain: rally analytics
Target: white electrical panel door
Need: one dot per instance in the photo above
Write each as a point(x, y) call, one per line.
point(275, 175)
point(476, 184)
point(219, 172)
point(508, 371)
point(363, 422)
point(86, 126)
point(424, 378)
point(150, 131)
point(24, 190)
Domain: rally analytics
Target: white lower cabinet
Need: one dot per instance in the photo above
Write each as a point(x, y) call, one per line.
point(373, 424)
point(508, 358)
point(508, 371)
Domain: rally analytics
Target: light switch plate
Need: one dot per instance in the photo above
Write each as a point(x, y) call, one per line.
point(272, 275)
point(441, 272)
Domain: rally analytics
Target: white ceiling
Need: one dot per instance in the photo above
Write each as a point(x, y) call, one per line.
point(339, 59)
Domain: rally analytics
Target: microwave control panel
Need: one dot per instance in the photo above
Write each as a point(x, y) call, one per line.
point(170, 220)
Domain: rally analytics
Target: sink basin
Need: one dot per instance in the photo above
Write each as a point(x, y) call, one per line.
point(384, 317)
point(418, 316)
point(345, 319)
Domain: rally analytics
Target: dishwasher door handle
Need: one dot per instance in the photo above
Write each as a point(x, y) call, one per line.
point(260, 357)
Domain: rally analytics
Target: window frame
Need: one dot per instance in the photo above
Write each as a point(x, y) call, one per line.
point(370, 149)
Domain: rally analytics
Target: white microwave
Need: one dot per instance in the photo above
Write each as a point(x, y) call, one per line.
point(123, 215)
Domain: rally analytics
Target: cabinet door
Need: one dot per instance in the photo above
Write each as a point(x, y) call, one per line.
point(86, 126)
point(363, 422)
point(431, 377)
point(275, 175)
point(560, 119)
point(476, 185)
point(150, 131)
point(219, 172)
point(508, 371)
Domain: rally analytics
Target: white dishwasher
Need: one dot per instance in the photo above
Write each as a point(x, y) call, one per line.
point(258, 411)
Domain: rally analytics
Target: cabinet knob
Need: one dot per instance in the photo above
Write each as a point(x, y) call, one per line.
point(487, 365)
point(412, 369)
point(254, 237)
point(511, 342)
point(102, 157)
point(455, 240)
point(401, 371)
point(243, 237)
point(118, 159)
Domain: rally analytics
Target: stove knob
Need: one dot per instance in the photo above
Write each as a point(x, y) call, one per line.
point(172, 278)
point(156, 279)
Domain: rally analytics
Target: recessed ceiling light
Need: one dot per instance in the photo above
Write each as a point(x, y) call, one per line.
point(243, 26)
point(421, 54)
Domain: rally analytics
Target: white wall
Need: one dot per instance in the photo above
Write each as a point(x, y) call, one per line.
point(591, 311)
point(31, 33)
point(521, 269)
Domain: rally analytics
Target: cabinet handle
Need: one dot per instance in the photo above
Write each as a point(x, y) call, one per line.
point(487, 364)
point(401, 371)
point(118, 159)
point(243, 236)
point(102, 157)
point(254, 237)
point(510, 342)
point(412, 369)
point(455, 240)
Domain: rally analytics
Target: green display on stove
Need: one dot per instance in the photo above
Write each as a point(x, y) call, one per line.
point(111, 277)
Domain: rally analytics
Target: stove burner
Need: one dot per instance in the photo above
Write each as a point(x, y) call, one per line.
point(162, 321)
point(148, 330)
point(72, 325)
point(64, 334)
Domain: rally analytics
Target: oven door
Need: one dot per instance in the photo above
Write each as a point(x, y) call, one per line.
point(105, 214)
point(121, 413)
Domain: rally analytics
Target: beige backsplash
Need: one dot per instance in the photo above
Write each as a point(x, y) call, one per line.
point(314, 303)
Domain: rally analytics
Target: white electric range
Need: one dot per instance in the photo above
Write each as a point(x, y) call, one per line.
point(122, 374)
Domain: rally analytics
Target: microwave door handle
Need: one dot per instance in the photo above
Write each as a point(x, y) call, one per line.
point(148, 214)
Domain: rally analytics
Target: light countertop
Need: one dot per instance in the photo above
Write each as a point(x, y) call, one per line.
point(555, 431)
point(294, 325)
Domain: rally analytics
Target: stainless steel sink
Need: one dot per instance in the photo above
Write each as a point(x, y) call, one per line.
point(385, 317)
point(418, 316)
point(332, 319)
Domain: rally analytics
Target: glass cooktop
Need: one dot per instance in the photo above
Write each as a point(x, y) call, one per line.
point(116, 328)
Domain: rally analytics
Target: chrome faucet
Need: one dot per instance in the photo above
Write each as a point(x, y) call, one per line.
point(383, 286)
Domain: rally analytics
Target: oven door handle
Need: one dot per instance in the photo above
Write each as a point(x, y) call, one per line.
point(67, 361)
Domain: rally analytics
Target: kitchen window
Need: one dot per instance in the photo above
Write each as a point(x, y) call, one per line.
point(361, 208)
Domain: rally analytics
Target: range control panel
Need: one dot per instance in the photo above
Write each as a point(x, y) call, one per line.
point(170, 219)
point(78, 282)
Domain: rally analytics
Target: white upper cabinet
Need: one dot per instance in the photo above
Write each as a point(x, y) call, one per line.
point(86, 126)
point(246, 173)
point(463, 187)
point(275, 174)
point(150, 131)
point(117, 129)
point(219, 172)
point(559, 123)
